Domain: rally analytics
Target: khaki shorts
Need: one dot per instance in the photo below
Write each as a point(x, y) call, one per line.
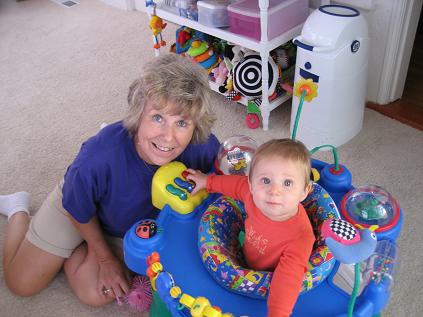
point(51, 229)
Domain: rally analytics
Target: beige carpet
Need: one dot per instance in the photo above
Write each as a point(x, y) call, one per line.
point(64, 71)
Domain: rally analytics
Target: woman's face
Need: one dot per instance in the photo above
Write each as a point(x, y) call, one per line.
point(162, 137)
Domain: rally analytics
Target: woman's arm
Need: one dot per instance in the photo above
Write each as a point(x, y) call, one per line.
point(111, 273)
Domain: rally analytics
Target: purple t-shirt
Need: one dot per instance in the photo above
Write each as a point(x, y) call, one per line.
point(110, 180)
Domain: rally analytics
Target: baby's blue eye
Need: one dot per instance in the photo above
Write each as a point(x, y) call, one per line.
point(287, 182)
point(265, 180)
point(157, 118)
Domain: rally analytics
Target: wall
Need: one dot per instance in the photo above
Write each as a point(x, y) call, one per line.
point(380, 27)
point(377, 14)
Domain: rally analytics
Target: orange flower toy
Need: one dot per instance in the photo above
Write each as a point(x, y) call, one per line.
point(306, 86)
point(305, 89)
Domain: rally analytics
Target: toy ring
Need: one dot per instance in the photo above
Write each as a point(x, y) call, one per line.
point(197, 48)
point(205, 56)
point(221, 252)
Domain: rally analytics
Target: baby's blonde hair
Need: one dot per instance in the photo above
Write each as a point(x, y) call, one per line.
point(171, 78)
point(287, 149)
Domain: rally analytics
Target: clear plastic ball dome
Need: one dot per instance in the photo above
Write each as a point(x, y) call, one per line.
point(370, 205)
point(235, 155)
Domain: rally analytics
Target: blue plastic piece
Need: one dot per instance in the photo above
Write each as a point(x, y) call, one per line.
point(176, 241)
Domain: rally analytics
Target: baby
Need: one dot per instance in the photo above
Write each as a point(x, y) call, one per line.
point(278, 233)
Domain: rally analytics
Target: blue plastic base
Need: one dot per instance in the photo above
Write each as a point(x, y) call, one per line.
point(176, 242)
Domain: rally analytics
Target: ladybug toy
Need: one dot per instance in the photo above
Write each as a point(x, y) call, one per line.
point(146, 229)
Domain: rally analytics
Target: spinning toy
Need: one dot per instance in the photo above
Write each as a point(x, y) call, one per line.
point(235, 154)
point(371, 205)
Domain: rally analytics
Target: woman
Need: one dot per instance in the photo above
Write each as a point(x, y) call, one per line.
point(107, 188)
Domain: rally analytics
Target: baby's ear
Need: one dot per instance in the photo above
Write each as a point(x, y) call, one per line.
point(307, 189)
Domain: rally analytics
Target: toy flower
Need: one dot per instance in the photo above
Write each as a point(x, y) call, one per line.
point(305, 85)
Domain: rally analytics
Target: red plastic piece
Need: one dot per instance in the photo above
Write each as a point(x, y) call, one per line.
point(153, 258)
point(305, 88)
point(185, 174)
point(236, 97)
point(334, 172)
point(252, 121)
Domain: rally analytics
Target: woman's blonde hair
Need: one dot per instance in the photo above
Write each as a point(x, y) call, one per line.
point(176, 85)
point(286, 149)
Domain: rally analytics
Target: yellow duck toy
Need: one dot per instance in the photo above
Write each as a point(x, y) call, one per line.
point(157, 26)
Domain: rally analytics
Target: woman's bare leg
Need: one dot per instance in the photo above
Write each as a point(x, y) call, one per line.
point(81, 271)
point(27, 269)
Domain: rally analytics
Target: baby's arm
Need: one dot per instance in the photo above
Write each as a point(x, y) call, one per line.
point(234, 186)
point(199, 178)
point(287, 278)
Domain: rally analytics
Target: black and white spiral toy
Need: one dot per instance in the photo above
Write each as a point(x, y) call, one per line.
point(247, 76)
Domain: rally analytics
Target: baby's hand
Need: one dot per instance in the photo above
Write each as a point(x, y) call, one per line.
point(199, 178)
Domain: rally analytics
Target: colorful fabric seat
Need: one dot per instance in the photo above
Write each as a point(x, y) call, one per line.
point(221, 251)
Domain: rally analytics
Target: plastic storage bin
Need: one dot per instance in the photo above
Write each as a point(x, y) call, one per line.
point(213, 13)
point(283, 15)
point(188, 9)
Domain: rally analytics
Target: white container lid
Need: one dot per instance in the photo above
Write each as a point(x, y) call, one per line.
point(251, 7)
point(213, 4)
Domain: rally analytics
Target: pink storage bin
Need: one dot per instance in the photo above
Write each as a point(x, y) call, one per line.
point(244, 17)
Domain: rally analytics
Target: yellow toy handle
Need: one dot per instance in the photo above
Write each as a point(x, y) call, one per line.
point(170, 187)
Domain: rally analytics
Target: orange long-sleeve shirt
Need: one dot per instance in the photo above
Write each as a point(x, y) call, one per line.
point(280, 246)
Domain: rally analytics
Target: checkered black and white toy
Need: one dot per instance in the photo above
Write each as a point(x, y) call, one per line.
point(347, 243)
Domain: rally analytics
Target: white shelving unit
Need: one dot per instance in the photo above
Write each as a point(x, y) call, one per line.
point(263, 47)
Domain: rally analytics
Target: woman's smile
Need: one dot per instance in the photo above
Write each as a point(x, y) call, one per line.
point(162, 136)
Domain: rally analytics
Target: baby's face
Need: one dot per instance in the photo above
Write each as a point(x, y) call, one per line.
point(278, 186)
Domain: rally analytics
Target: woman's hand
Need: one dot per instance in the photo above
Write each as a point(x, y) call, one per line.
point(199, 178)
point(112, 278)
point(110, 273)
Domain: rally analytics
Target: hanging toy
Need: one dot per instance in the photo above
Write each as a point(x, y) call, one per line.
point(157, 25)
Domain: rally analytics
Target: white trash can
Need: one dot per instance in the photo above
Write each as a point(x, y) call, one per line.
point(333, 51)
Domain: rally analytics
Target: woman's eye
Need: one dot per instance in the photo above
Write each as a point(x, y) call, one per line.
point(182, 123)
point(265, 180)
point(287, 182)
point(157, 118)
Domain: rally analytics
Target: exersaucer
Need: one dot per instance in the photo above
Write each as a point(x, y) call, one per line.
point(185, 287)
